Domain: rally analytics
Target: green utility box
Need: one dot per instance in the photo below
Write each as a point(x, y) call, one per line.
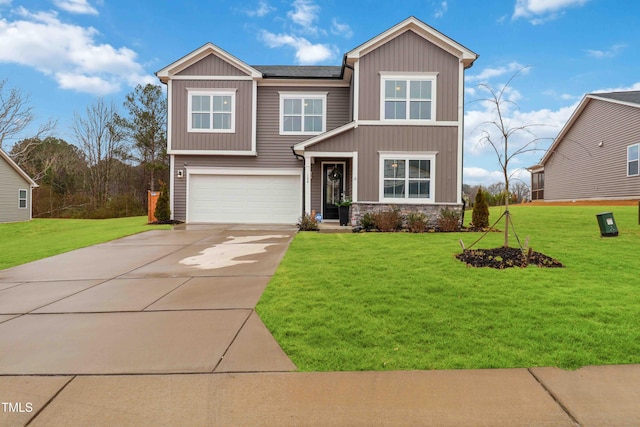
point(607, 224)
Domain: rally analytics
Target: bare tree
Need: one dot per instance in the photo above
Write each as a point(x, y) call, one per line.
point(102, 145)
point(499, 135)
point(16, 115)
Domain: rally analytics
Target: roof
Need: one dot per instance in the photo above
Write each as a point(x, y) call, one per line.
point(13, 164)
point(630, 98)
point(300, 71)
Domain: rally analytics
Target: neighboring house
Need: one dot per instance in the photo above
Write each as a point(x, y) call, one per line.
point(262, 144)
point(596, 155)
point(15, 191)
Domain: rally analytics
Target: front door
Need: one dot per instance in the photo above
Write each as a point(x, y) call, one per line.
point(333, 188)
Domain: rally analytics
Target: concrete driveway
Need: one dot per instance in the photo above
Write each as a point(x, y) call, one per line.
point(179, 301)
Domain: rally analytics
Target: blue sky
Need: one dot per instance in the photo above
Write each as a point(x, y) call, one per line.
point(66, 53)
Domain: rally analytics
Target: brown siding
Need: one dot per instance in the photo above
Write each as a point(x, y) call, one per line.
point(580, 169)
point(369, 140)
point(183, 140)
point(409, 53)
point(211, 66)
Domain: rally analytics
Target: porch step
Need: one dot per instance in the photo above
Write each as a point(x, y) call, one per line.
point(333, 227)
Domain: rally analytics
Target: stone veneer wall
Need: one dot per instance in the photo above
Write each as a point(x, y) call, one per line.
point(431, 211)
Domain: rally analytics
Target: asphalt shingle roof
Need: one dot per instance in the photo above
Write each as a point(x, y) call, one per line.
point(632, 96)
point(299, 71)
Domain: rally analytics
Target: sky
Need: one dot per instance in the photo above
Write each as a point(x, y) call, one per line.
point(64, 54)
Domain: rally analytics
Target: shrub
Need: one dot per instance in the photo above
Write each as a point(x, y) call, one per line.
point(416, 222)
point(449, 220)
point(480, 214)
point(367, 221)
point(307, 223)
point(163, 211)
point(388, 220)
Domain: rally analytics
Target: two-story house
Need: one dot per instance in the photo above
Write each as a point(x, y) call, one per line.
point(263, 144)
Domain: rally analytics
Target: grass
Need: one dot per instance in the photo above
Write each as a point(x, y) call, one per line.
point(400, 301)
point(23, 242)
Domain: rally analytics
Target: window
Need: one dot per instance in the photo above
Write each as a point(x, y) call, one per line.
point(302, 114)
point(633, 160)
point(537, 185)
point(212, 111)
point(407, 179)
point(408, 97)
point(22, 199)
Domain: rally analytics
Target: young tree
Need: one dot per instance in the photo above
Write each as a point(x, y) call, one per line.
point(146, 127)
point(480, 214)
point(500, 134)
point(16, 115)
point(101, 143)
point(163, 211)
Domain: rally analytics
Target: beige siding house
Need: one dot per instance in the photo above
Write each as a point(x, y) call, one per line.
point(15, 191)
point(596, 155)
point(265, 143)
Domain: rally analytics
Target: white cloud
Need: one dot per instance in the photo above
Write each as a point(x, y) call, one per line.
point(541, 11)
point(609, 53)
point(68, 53)
point(80, 7)
point(263, 9)
point(307, 53)
point(304, 13)
point(338, 28)
point(490, 73)
point(441, 10)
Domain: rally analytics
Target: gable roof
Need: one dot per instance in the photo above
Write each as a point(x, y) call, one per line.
point(629, 98)
point(17, 168)
point(417, 26)
point(207, 49)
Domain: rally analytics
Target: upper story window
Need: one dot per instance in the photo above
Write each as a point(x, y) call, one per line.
point(303, 113)
point(212, 110)
point(407, 178)
point(408, 96)
point(633, 160)
point(22, 199)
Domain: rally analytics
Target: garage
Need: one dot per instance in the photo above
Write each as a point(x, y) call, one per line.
point(255, 197)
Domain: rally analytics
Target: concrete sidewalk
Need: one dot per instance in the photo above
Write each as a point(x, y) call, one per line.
point(159, 329)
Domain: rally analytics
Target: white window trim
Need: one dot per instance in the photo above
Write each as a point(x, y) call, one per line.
point(430, 76)
point(25, 198)
point(303, 95)
point(636, 160)
point(211, 92)
point(406, 156)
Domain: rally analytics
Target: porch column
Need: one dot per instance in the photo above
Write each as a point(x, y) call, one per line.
point(307, 183)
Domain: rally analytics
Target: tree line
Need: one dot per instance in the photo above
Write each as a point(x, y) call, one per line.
point(496, 194)
point(106, 170)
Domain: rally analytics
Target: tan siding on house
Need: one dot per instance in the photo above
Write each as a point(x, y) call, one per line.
point(580, 169)
point(211, 66)
point(409, 53)
point(10, 183)
point(181, 139)
point(368, 141)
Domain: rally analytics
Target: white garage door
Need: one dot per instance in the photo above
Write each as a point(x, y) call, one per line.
point(273, 199)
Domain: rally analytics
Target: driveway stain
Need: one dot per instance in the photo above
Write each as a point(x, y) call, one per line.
point(225, 254)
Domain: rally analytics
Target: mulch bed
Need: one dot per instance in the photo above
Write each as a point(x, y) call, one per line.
point(502, 258)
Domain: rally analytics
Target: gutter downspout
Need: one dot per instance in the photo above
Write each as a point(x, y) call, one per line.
point(304, 177)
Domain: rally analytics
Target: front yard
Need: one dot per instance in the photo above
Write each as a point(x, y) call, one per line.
point(400, 301)
point(22, 242)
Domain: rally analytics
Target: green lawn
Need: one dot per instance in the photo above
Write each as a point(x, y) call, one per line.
point(22, 242)
point(398, 301)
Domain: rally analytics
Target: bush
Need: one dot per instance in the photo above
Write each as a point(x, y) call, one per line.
point(163, 211)
point(367, 221)
point(417, 222)
point(480, 214)
point(388, 220)
point(307, 223)
point(449, 220)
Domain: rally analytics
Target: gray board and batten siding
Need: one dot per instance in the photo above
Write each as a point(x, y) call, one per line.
point(590, 162)
point(11, 182)
point(409, 53)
